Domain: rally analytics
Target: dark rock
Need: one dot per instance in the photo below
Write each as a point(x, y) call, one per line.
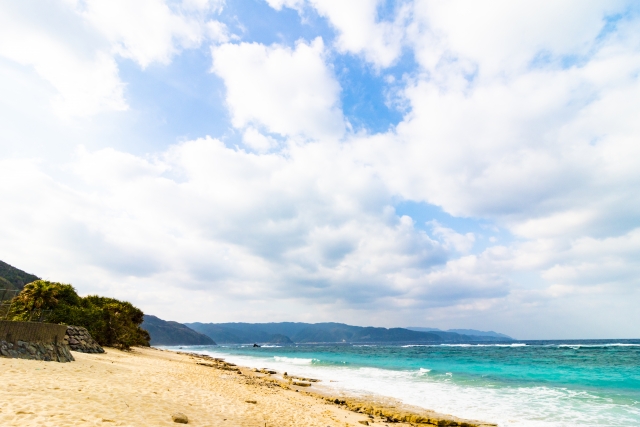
point(80, 340)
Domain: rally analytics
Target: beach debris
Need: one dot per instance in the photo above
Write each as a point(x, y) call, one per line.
point(251, 401)
point(179, 418)
point(365, 422)
point(301, 384)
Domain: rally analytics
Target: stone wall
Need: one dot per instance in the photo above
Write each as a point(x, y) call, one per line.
point(32, 340)
point(80, 340)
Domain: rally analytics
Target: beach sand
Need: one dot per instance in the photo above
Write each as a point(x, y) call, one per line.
point(146, 386)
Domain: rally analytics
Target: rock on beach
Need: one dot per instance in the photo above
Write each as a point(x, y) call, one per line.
point(179, 418)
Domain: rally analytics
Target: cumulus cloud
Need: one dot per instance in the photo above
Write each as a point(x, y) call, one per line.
point(86, 80)
point(257, 141)
point(359, 30)
point(523, 149)
point(452, 240)
point(145, 31)
point(505, 37)
point(295, 226)
point(520, 117)
point(75, 48)
point(288, 91)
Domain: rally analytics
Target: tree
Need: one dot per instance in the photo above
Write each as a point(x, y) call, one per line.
point(110, 322)
point(36, 297)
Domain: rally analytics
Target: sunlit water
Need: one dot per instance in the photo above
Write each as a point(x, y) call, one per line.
point(533, 383)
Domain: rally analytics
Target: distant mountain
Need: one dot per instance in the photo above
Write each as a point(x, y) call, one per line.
point(164, 332)
point(14, 278)
point(474, 333)
point(288, 332)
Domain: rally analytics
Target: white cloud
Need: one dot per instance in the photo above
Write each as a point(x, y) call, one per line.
point(517, 116)
point(86, 80)
point(145, 31)
point(217, 32)
point(74, 47)
point(288, 91)
point(359, 29)
point(215, 6)
point(462, 243)
point(257, 141)
point(300, 225)
point(279, 4)
point(522, 148)
point(501, 37)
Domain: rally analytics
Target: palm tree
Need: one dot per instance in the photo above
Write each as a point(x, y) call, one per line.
point(38, 296)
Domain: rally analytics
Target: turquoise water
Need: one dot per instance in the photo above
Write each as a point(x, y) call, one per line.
point(532, 383)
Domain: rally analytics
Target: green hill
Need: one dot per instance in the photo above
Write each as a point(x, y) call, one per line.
point(13, 277)
point(289, 332)
point(164, 332)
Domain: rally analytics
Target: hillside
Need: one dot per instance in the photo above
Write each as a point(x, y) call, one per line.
point(164, 332)
point(243, 333)
point(473, 333)
point(15, 278)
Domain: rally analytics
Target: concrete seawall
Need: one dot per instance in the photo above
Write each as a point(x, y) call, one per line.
point(37, 341)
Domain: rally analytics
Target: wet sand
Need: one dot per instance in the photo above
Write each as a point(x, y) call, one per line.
point(146, 386)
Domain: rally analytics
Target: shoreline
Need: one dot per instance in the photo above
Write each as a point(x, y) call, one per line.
point(378, 408)
point(147, 385)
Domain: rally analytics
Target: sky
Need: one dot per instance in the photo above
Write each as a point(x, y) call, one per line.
point(448, 164)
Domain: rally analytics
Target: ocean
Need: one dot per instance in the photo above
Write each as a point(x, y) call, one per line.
point(528, 383)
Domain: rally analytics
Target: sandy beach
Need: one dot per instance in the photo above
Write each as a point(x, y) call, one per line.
point(146, 386)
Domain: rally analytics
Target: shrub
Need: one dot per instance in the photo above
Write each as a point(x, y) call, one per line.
point(110, 322)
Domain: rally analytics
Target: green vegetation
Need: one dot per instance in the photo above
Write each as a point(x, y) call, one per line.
point(5, 284)
point(14, 278)
point(110, 322)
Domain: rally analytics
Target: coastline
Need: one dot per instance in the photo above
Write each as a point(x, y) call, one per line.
point(147, 385)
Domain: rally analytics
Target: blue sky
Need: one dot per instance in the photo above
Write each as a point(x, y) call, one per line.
point(444, 164)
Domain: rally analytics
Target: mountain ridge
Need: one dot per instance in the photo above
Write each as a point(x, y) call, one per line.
point(469, 332)
point(14, 277)
point(328, 332)
point(167, 332)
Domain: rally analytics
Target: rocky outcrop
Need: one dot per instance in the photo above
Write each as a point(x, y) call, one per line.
point(36, 341)
point(80, 340)
point(49, 352)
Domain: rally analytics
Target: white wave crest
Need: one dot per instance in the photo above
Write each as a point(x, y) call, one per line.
point(293, 360)
point(577, 346)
